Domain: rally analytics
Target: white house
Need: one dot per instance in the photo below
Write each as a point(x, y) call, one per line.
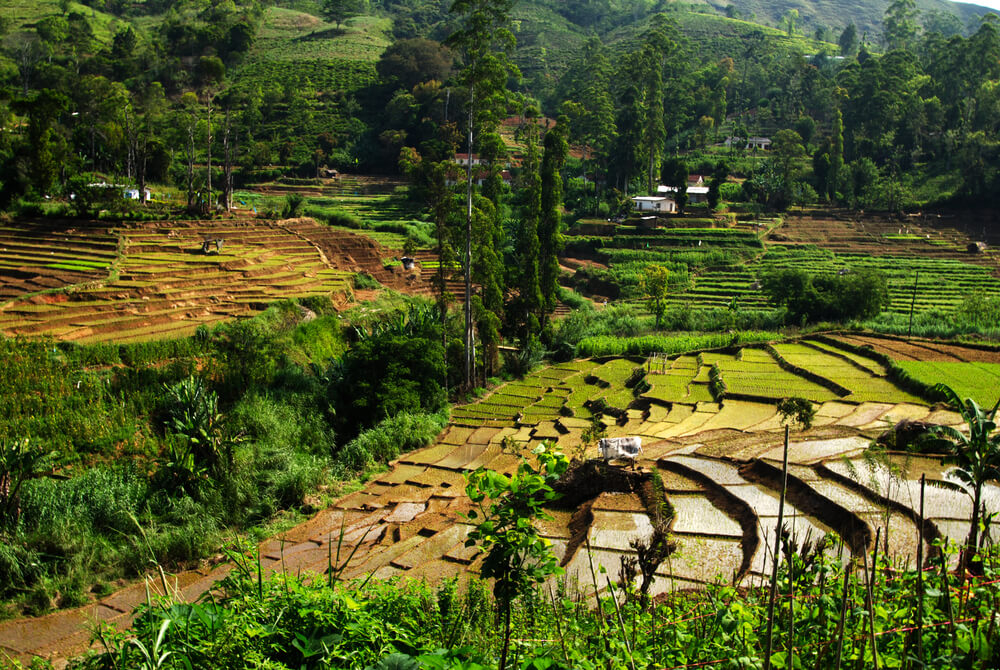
point(762, 143)
point(133, 194)
point(654, 203)
point(465, 159)
point(695, 193)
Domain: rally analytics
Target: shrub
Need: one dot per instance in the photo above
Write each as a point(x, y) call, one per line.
point(363, 281)
point(293, 206)
point(249, 354)
point(390, 438)
point(809, 298)
point(398, 368)
point(676, 344)
point(520, 363)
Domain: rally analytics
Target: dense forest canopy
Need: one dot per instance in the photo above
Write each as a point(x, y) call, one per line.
point(128, 89)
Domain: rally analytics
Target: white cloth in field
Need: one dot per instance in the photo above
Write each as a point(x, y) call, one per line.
point(620, 448)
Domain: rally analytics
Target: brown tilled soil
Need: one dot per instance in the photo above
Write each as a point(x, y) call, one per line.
point(921, 350)
point(934, 236)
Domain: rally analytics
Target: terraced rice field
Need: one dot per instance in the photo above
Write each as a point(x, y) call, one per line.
point(43, 256)
point(727, 262)
point(719, 463)
point(163, 284)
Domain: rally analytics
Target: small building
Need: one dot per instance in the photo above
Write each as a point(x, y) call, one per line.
point(754, 143)
point(465, 159)
point(478, 176)
point(133, 194)
point(696, 180)
point(659, 204)
point(695, 194)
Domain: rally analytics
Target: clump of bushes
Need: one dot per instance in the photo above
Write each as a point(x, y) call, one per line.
point(391, 437)
point(812, 298)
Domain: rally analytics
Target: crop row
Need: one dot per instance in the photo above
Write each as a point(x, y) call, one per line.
point(979, 381)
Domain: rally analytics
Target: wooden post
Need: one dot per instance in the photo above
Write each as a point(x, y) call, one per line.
point(777, 552)
point(920, 576)
point(843, 612)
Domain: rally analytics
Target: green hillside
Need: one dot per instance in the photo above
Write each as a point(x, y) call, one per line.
point(25, 14)
point(836, 14)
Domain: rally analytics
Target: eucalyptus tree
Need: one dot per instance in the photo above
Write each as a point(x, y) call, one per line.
point(484, 40)
point(900, 24)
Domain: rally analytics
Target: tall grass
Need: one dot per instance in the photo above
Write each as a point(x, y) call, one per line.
point(669, 344)
point(390, 438)
point(287, 621)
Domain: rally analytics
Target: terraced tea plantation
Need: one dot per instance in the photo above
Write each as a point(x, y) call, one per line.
point(711, 433)
point(158, 280)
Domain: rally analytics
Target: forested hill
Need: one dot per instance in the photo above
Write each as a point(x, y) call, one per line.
point(148, 92)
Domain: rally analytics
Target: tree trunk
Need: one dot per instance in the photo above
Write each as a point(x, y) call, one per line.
point(227, 167)
point(209, 157)
point(506, 635)
point(469, 354)
point(972, 550)
point(190, 174)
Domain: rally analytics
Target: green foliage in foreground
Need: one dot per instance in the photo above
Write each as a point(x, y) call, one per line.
point(287, 621)
point(164, 450)
point(668, 344)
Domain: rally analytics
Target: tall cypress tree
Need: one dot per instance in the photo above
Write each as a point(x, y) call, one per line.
point(488, 240)
point(530, 299)
point(836, 155)
point(549, 235)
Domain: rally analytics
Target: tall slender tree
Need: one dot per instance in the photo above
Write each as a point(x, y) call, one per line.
point(900, 24)
point(528, 248)
point(484, 40)
point(549, 233)
point(836, 155)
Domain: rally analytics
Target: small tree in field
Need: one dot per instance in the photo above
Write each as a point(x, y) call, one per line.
point(339, 11)
point(655, 286)
point(516, 555)
point(798, 410)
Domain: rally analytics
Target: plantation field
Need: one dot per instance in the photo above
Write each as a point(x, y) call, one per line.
point(25, 13)
point(288, 35)
point(979, 381)
point(720, 507)
point(925, 261)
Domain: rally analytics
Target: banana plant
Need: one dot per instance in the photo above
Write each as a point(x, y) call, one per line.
point(975, 455)
point(19, 462)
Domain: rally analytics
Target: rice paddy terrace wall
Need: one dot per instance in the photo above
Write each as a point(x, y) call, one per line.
point(717, 461)
point(38, 256)
point(155, 280)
